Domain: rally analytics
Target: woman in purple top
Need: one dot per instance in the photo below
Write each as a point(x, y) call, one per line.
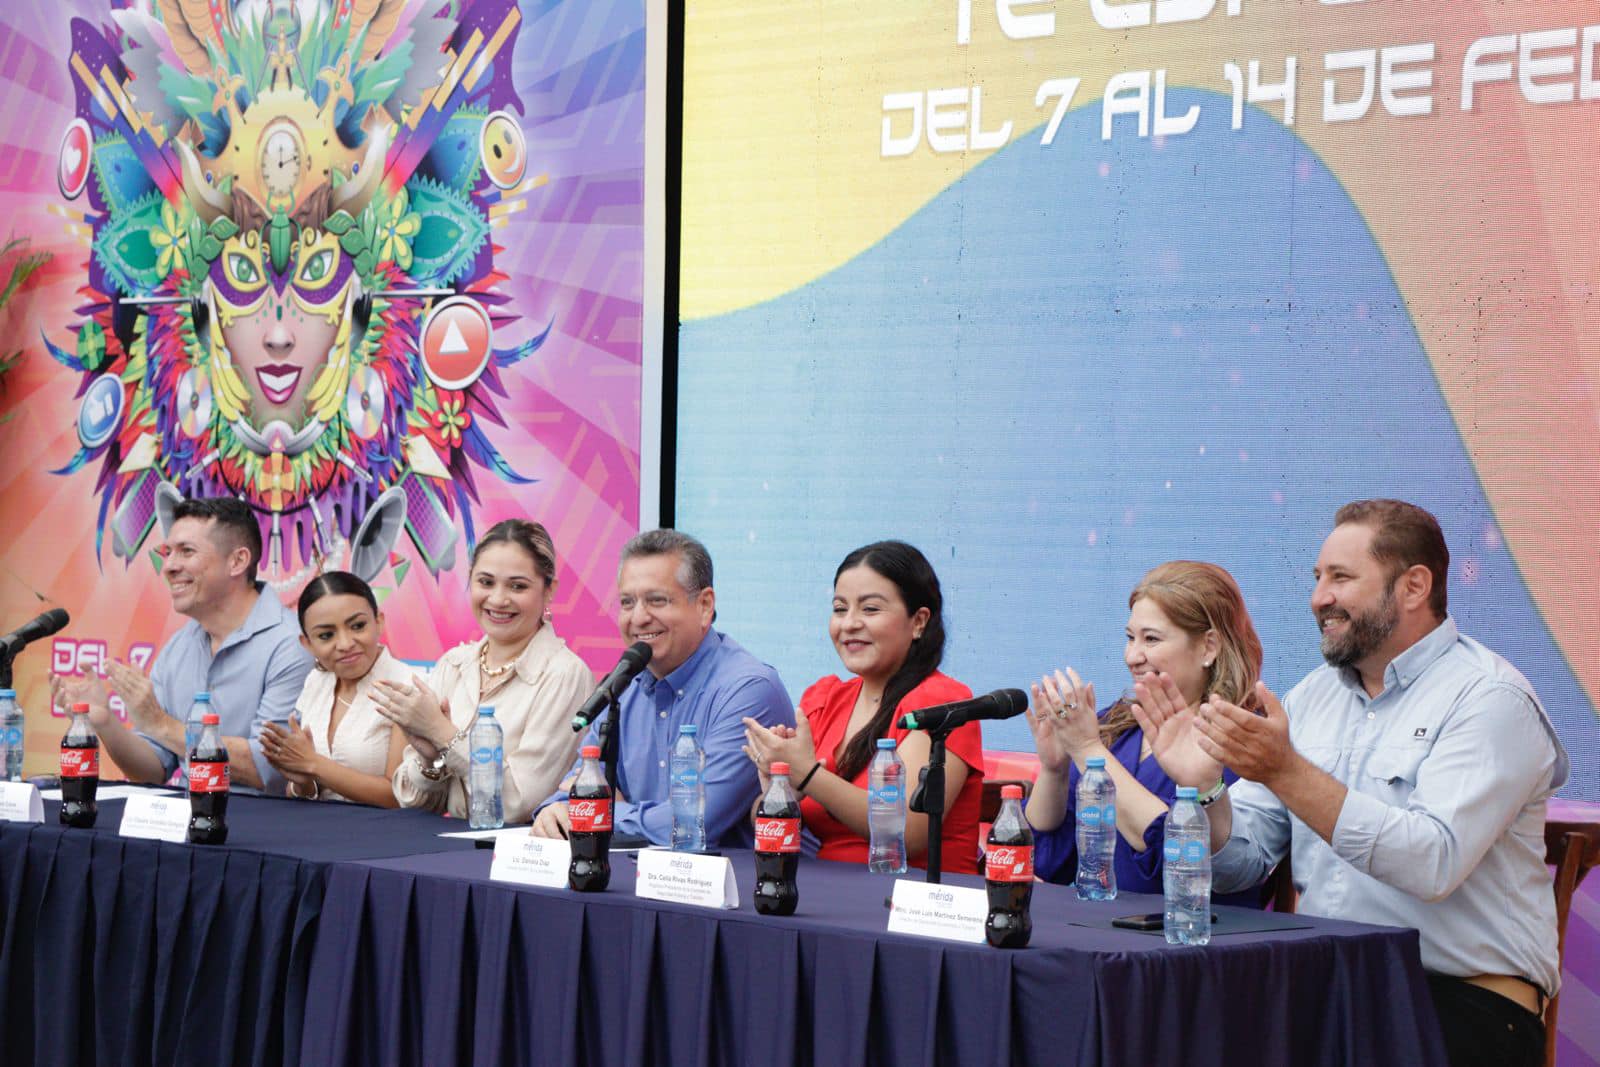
point(1188, 636)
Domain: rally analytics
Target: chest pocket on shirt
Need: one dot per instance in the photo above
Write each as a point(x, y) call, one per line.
point(1397, 766)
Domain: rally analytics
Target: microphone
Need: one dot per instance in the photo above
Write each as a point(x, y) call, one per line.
point(43, 626)
point(634, 660)
point(1000, 704)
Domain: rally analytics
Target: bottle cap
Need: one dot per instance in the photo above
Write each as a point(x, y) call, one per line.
point(589, 751)
point(202, 698)
point(210, 718)
point(780, 768)
point(885, 742)
point(8, 694)
point(1011, 792)
point(80, 708)
point(688, 728)
point(487, 710)
point(1187, 792)
point(1096, 763)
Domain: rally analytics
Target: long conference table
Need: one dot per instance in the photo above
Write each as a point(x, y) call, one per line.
point(332, 934)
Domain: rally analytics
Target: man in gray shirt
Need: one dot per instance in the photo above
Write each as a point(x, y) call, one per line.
point(1407, 779)
point(240, 644)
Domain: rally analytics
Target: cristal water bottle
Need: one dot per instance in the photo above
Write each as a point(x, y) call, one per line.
point(1186, 871)
point(687, 773)
point(886, 810)
point(11, 736)
point(1097, 832)
point(193, 725)
point(486, 778)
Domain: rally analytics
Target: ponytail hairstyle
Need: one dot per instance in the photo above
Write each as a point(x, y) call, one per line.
point(1197, 598)
point(913, 576)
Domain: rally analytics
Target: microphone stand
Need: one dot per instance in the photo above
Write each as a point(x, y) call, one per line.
point(930, 788)
point(7, 653)
point(610, 730)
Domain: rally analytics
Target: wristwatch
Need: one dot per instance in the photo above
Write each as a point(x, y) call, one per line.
point(1210, 796)
point(434, 770)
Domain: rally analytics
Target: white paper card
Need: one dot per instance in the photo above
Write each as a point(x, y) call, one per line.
point(160, 818)
point(483, 835)
point(20, 802)
point(528, 860)
point(115, 791)
point(686, 878)
point(950, 912)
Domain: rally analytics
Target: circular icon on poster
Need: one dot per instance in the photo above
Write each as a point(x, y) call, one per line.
point(72, 167)
point(504, 150)
point(194, 402)
point(455, 342)
point(101, 411)
point(363, 403)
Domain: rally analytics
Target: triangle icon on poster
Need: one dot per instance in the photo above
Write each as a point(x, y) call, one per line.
point(453, 344)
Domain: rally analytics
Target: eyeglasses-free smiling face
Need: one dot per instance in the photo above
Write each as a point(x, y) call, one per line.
point(343, 635)
point(871, 628)
point(198, 569)
point(654, 607)
point(1353, 599)
point(508, 594)
point(1156, 644)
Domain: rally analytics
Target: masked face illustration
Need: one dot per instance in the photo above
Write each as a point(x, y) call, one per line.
point(279, 326)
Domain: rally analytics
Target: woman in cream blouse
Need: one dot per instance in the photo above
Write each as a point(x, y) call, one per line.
point(338, 747)
point(528, 674)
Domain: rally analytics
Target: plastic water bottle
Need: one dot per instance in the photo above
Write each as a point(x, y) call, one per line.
point(886, 810)
point(1186, 871)
point(11, 741)
point(687, 772)
point(1097, 832)
point(486, 779)
point(193, 725)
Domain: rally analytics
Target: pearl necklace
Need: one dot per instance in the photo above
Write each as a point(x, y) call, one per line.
point(492, 672)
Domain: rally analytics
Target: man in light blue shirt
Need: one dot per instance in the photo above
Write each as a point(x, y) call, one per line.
point(1407, 779)
point(696, 675)
point(240, 644)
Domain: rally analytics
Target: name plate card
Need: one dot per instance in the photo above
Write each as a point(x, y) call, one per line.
point(527, 860)
point(20, 802)
point(686, 878)
point(158, 817)
point(948, 912)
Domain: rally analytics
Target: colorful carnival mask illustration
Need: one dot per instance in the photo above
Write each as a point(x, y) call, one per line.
point(292, 296)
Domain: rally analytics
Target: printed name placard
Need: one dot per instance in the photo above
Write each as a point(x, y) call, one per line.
point(528, 860)
point(160, 818)
point(20, 802)
point(949, 912)
point(686, 878)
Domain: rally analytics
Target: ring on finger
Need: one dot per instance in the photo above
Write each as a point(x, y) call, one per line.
point(1072, 705)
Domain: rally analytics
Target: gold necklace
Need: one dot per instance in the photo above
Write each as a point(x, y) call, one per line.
point(492, 672)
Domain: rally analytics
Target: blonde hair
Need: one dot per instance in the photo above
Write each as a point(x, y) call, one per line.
point(1197, 598)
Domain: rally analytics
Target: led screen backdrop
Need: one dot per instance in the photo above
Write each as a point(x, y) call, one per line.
point(1059, 291)
point(376, 268)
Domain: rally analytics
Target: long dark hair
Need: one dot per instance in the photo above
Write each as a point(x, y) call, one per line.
point(334, 583)
point(913, 576)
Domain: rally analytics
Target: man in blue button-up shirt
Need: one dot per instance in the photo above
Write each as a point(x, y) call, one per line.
point(240, 644)
point(1407, 779)
point(696, 675)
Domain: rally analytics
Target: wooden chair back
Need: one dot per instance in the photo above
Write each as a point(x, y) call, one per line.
point(1572, 848)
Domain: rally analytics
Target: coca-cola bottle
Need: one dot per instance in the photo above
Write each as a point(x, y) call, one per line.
point(1008, 872)
point(778, 846)
point(589, 811)
point(80, 770)
point(208, 784)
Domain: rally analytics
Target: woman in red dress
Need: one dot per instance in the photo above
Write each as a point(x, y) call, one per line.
point(888, 628)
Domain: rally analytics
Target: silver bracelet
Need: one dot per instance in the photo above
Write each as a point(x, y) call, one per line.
point(434, 770)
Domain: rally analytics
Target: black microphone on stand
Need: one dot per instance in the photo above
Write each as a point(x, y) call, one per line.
point(50, 622)
point(635, 659)
point(12, 643)
point(1000, 704)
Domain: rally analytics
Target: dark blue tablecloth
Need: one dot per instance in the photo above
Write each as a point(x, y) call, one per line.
point(133, 952)
point(423, 961)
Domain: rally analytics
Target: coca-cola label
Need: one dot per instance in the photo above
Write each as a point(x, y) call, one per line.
point(208, 777)
point(777, 835)
point(1008, 863)
point(590, 814)
point(80, 763)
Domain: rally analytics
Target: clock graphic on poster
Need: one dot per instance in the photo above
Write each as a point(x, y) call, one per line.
point(281, 161)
